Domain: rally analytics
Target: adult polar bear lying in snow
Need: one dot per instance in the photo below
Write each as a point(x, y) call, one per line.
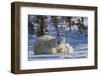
point(48, 45)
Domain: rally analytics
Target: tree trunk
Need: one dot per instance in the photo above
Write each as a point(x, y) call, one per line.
point(42, 26)
point(70, 23)
point(82, 20)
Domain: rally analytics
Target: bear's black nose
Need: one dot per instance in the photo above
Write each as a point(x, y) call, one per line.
point(58, 42)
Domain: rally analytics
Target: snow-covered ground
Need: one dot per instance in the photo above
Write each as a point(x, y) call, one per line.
point(77, 40)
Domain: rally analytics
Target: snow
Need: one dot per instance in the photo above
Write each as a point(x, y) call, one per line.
point(79, 52)
point(78, 41)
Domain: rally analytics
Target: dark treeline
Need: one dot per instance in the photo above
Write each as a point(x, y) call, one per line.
point(38, 24)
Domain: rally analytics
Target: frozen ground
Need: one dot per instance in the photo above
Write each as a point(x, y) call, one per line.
point(77, 40)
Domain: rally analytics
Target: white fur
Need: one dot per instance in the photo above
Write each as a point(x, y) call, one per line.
point(62, 48)
point(48, 44)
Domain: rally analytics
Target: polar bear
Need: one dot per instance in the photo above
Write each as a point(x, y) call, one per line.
point(62, 48)
point(44, 44)
point(48, 45)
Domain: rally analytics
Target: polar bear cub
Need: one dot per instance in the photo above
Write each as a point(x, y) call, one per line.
point(62, 48)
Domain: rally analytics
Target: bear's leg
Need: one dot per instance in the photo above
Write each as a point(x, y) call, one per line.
point(54, 51)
